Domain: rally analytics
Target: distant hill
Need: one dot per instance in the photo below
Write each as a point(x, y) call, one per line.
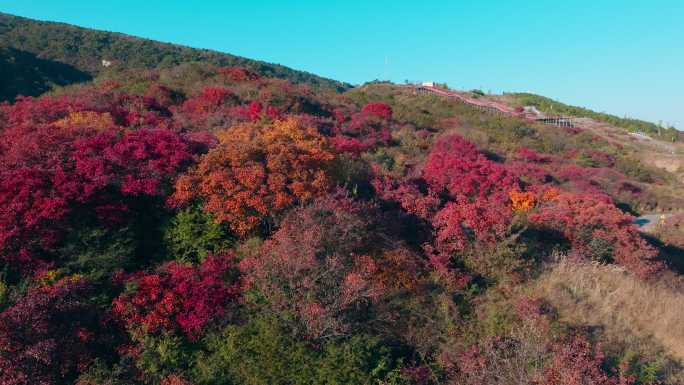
point(35, 55)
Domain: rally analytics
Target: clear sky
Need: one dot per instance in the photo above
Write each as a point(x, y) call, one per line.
point(625, 57)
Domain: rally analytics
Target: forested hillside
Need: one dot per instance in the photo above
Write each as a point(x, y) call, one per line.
point(208, 225)
point(33, 50)
point(187, 221)
point(23, 73)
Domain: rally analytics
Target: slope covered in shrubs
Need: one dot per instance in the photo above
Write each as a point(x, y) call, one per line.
point(208, 225)
point(634, 125)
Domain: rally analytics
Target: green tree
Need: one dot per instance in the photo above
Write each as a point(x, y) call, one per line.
point(264, 352)
point(193, 234)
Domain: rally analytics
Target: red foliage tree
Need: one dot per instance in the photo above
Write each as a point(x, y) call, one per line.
point(48, 170)
point(380, 110)
point(351, 145)
point(210, 108)
point(576, 362)
point(465, 195)
point(469, 199)
point(49, 335)
point(411, 194)
point(529, 155)
point(254, 111)
point(28, 110)
point(598, 230)
point(363, 130)
point(138, 162)
point(314, 267)
point(461, 222)
point(530, 173)
point(210, 99)
point(456, 167)
point(478, 188)
point(178, 298)
point(238, 74)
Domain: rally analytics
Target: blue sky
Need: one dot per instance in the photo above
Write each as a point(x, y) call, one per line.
point(624, 57)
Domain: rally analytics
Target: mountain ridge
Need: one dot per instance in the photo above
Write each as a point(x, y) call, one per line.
point(84, 49)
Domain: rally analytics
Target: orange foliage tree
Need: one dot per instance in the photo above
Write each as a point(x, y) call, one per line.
point(256, 171)
point(87, 119)
point(522, 201)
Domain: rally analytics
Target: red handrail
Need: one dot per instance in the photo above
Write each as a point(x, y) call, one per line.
point(473, 102)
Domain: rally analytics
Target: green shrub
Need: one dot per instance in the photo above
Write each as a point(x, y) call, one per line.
point(635, 169)
point(101, 373)
point(3, 293)
point(193, 234)
point(163, 355)
point(264, 352)
point(97, 252)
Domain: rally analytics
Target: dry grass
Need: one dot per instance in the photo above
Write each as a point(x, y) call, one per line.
point(644, 317)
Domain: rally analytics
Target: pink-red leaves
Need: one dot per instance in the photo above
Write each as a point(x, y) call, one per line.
point(178, 297)
point(314, 267)
point(380, 110)
point(598, 230)
point(49, 335)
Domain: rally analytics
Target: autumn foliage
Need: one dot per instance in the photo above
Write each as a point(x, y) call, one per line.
point(50, 334)
point(522, 201)
point(482, 195)
point(362, 131)
point(315, 267)
point(177, 298)
point(380, 110)
point(204, 225)
point(238, 74)
point(464, 195)
point(256, 171)
point(598, 230)
point(209, 100)
point(576, 362)
point(477, 207)
point(51, 170)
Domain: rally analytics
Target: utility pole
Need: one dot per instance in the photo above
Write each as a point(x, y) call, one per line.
point(386, 68)
point(660, 125)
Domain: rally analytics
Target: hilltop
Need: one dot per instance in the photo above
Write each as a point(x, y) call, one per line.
point(42, 54)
